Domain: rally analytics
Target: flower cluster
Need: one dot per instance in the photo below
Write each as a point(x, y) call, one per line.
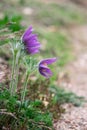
point(32, 46)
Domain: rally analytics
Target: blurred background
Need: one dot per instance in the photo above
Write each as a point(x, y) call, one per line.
point(61, 27)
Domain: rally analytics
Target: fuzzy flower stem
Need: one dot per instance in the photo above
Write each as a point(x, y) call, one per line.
point(16, 80)
point(24, 88)
point(15, 71)
point(13, 75)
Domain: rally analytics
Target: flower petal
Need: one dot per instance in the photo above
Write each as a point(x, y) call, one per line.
point(32, 51)
point(45, 71)
point(32, 44)
point(48, 61)
point(27, 33)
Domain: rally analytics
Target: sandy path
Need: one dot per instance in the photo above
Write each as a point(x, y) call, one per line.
point(75, 118)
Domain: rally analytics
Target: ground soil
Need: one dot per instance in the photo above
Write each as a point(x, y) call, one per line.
point(75, 118)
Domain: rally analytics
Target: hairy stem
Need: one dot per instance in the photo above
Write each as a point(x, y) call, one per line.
point(25, 87)
point(13, 75)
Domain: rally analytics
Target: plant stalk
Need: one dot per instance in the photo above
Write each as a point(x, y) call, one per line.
point(25, 88)
point(13, 76)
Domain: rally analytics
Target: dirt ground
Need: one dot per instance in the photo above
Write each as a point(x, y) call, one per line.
point(75, 118)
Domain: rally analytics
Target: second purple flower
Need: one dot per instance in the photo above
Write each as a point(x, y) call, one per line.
point(43, 67)
point(30, 40)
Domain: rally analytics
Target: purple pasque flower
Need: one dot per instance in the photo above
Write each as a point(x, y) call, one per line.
point(44, 69)
point(30, 41)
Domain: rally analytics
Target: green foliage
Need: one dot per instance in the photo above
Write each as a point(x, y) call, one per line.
point(22, 2)
point(36, 112)
point(8, 25)
point(61, 96)
point(33, 113)
point(17, 116)
point(13, 22)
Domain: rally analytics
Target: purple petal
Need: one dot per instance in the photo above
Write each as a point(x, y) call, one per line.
point(32, 50)
point(37, 46)
point(32, 37)
point(45, 71)
point(32, 44)
point(48, 61)
point(27, 33)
